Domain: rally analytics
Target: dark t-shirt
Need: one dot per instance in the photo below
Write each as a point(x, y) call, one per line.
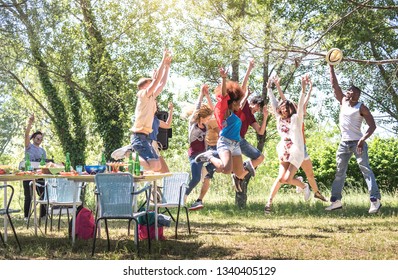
point(247, 118)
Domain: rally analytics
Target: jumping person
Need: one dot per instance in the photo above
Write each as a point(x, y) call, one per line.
point(352, 114)
point(148, 90)
point(307, 163)
point(291, 147)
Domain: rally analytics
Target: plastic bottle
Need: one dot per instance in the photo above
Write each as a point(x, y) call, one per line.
point(28, 166)
point(67, 163)
point(137, 167)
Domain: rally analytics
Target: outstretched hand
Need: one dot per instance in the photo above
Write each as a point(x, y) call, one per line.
point(31, 118)
point(223, 72)
point(277, 80)
point(205, 89)
point(270, 81)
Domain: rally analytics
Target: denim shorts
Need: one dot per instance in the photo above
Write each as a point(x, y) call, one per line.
point(306, 155)
point(141, 144)
point(248, 150)
point(224, 144)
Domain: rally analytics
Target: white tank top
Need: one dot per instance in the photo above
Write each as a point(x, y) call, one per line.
point(350, 122)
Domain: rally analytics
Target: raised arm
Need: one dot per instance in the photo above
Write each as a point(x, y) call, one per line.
point(223, 75)
point(338, 93)
point(246, 78)
point(164, 76)
point(203, 89)
point(307, 97)
point(209, 101)
point(272, 99)
point(300, 106)
point(155, 86)
point(277, 81)
point(168, 122)
point(27, 130)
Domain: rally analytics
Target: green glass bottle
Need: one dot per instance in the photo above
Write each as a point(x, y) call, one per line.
point(27, 162)
point(42, 160)
point(103, 161)
point(137, 167)
point(67, 162)
point(131, 164)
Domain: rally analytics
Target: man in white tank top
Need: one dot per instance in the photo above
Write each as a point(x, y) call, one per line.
point(352, 113)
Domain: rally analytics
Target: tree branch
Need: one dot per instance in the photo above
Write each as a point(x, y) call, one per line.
point(15, 77)
point(336, 23)
point(364, 61)
point(373, 7)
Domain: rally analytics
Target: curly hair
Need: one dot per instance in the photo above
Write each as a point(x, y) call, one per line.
point(203, 112)
point(234, 91)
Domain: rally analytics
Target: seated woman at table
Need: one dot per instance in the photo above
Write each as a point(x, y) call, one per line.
point(35, 153)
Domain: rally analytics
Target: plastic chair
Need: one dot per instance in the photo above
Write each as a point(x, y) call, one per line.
point(116, 199)
point(6, 195)
point(59, 194)
point(172, 194)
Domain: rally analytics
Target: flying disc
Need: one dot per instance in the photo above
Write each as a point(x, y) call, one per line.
point(334, 56)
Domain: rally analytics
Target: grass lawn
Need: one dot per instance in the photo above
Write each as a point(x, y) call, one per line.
point(296, 230)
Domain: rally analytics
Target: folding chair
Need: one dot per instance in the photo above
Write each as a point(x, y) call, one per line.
point(116, 199)
point(172, 195)
point(6, 194)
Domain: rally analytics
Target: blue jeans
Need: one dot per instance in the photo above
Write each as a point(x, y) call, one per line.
point(248, 150)
point(211, 169)
point(196, 174)
point(343, 155)
point(142, 145)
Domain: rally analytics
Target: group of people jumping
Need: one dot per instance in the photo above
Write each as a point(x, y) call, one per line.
point(216, 135)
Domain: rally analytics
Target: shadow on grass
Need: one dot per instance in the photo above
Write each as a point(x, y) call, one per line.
point(296, 210)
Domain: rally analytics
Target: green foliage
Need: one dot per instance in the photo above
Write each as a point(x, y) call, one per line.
point(382, 159)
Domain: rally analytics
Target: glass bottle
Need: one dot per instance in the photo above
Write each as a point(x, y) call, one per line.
point(103, 161)
point(27, 162)
point(137, 167)
point(131, 164)
point(67, 163)
point(42, 160)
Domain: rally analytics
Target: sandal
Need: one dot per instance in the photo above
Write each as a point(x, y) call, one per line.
point(320, 196)
point(267, 209)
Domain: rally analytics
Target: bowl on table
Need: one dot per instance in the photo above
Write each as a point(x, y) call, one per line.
point(55, 170)
point(94, 169)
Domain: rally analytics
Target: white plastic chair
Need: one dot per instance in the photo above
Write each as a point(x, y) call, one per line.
point(172, 195)
point(116, 199)
point(60, 194)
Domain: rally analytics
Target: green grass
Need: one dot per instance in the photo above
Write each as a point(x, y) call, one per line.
point(296, 230)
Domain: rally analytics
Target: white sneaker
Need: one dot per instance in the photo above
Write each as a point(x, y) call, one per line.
point(374, 206)
point(298, 189)
point(307, 192)
point(334, 206)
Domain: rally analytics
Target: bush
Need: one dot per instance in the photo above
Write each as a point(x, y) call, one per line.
point(382, 158)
